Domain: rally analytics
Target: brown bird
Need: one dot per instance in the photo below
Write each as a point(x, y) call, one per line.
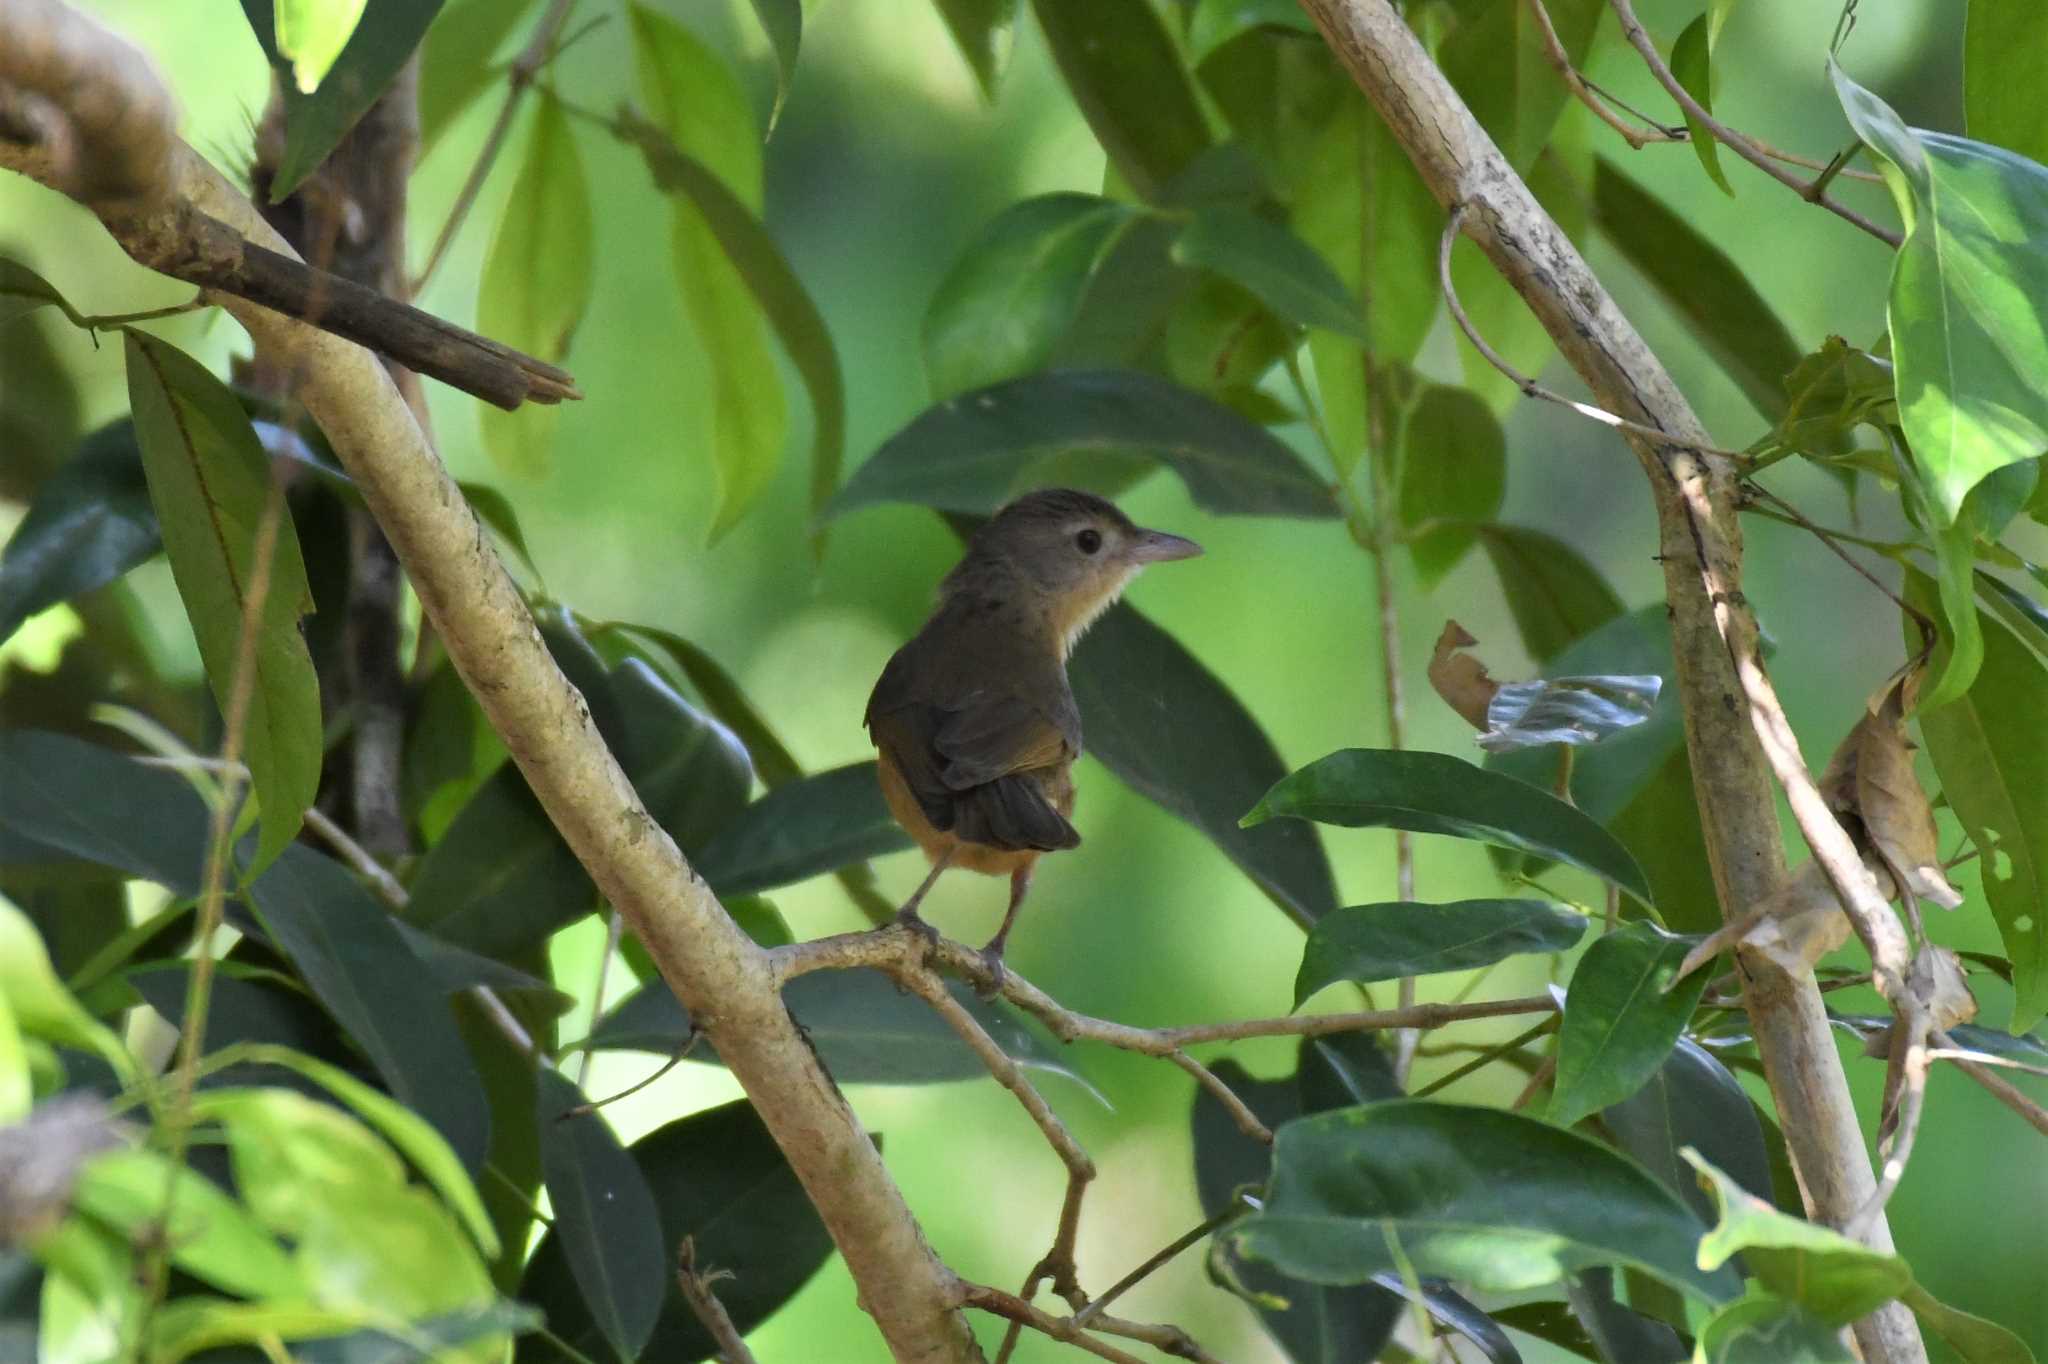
point(974, 719)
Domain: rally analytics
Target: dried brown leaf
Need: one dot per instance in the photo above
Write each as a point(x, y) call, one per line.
point(1459, 678)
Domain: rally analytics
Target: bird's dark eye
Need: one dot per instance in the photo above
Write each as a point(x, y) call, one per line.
point(1089, 540)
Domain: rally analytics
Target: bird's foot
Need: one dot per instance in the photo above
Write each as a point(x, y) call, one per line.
point(908, 917)
point(998, 974)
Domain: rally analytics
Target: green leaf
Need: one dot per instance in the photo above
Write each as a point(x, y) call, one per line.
point(781, 295)
point(1990, 750)
point(1734, 323)
point(1975, 1340)
point(1453, 471)
point(1495, 58)
point(22, 291)
point(501, 879)
point(974, 452)
point(2005, 42)
point(1829, 394)
point(722, 696)
point(39, 1004)
point(1275, 266)
point(495, 510)
point(1692, 1100)
point(210, 482)
point(864, 1029)
point(695, 98)
point(692, 772)
point(1434, 793)
point(311, 35)
point(717, 1178)
point(1554, 594)
point(1622, 1016)
point(984, 31)
point(455, 60)
point(91, 522)
point(805, 827)
point(17, 1087)
point(1490, 1199)
point(604, 1217)
point(1692, 64)
point(351, 956)
point(1216, 22)
point(96, 805)
point(1966, 337)
point(1762, 1328)
point(537, 280)
point(1140, 692)
point(1835, 1278)
point(1013, 293)
point(783, 22)
point(1126, 76)
point(1366, 943)
point(1617, 1332)
point(209, 1234)
point(316, 119)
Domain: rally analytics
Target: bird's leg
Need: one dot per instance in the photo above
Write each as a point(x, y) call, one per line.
point(992, 955)
point(908, 915)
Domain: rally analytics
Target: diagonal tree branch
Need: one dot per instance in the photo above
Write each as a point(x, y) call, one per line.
point(720, 975)
point(1720, 673)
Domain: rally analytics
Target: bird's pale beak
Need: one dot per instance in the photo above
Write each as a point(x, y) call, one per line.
point(1156, 546)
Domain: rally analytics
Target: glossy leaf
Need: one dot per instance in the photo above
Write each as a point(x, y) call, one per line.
point(1616, 1332)
point(1835, 1278)
point(1495, 58)
point(1006, 303)
point(210, 482)
point(1554, 594)
point(316, 119)
point(537, 281)
point(691, 772)
point(1692, 63)
point(1453, 471)
point(1367, 943)
point(1692, 1100)
point(455, 60)
point(783, 22)
point(1990, 750)
point(1966, 335)
point(1762, 1328)
point(604, 1217)
point(1438, 794)
point(865, 1029)
point(99, 806)
point(500, 879)
point(974, 452)
point(805, 827)
point(1620, 1020)
point(1125, 74)
point(718, 1178)
point(1275, 266)
point(1137, 733)
point(348, 950)
point(2004, 42)
point(90, 523)
point(1491, 1199)
point(722, 696)
point(695, 98)
point(22, 291)
point(781, 295)
point(1735, 324)
point(984, 31)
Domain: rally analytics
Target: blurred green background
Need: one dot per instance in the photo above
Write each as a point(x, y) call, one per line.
point(885, 163)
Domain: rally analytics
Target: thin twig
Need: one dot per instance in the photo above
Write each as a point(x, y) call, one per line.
point(1983, 1058)
point(1582, 89)
point(1156, 1261)
point(1486, 1058)
point(1638, 38)
point(705, 1306)
point(680, 1055)
point(1906, 1103)
point(1240, 1112)
point(1020, 1313)
point(1997, 1086)
point(1827, 538)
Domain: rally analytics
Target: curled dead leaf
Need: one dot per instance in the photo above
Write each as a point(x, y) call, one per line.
point(1459, 678)
point(1870, 783)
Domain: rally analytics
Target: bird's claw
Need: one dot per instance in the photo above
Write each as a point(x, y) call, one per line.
point(998, 974)
point(910, 919)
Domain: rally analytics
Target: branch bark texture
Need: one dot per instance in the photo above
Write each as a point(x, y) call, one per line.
point(720, 975)
point(1714, 636)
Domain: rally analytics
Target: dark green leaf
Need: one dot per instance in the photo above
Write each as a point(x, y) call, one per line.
point(1125, 73)
point(721, 695)
point(1495, 58)
point(1553, 593)
point(495, 510)
point(782, 296)
point(242, 1007)
point(1453, 470)
point(1140, 692)
point(1620, 1022)
point(210, 483)
point(1692, 63)
point(1694, 1101)
point(1975, 1340)
point(22, 291)
point(455, 60)
point(1966, 336)
point(604, 1217)
point(1491, 1199)
point(1216, 22)
point(315, 122)
point(1825, 1272)
point(1438, 794)
point(500, 879)
point(1696, 279)
point(1012, 295)
point(1275, 266)
point(1762, 1328)
point(1990, 749)
point(866, 1030)
point(77, 798)
point(1366, 943)
point(974, 452)
point(984, 31)
point(716, 1177)
point(1343, 1069)
point(1552, 1322)
point(537, 280)
point(91, 522)
point(800, 829)
point(506, 1071)
point(691, 772)
point(1622, 1335)
point(2005, 42)
point(459, 969)
point(351, 955)
point(783, 22)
